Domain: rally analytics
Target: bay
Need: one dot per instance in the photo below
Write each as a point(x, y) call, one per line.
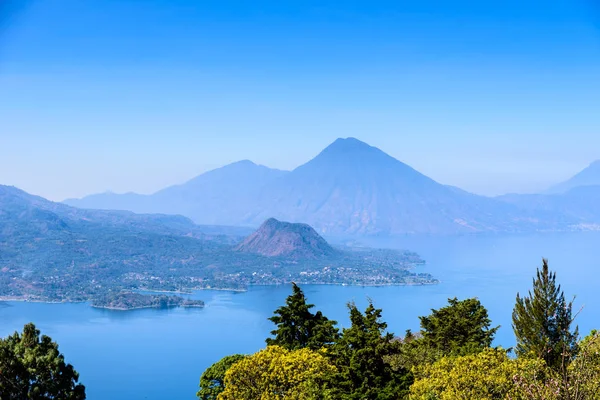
point(160, 354)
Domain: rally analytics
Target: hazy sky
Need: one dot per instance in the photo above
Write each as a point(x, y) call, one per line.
point(491, 96)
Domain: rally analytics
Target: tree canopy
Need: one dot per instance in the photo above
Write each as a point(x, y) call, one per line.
point(212, 381)
point(31, 367)
point(462, 327)
point(542, 321)
point(298, 327)
point(360, 357)
point(488, 375)
point(449, 358)
point(276, 373)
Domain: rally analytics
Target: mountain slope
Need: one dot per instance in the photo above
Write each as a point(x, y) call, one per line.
point(16, 205)
point(349, 188)
point(219, 196)
point(581, 204)
point(354, 188)
point(590, 176)
point(51, 251)
point(283, 239)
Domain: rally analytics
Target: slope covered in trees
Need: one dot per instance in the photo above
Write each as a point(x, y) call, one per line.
point(53, 252)
point(451, 357)
point(309, 357)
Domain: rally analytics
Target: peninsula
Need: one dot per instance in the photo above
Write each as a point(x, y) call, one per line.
point(132, 301)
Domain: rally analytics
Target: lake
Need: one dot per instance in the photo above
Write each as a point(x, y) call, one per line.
point(160, 354)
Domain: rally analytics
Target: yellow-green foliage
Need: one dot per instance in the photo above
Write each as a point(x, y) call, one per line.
point(578, 378)
point(276, 373)
point(584, 371)
point(487, 375)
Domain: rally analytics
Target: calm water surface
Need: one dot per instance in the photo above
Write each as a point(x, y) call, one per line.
point(160, 354)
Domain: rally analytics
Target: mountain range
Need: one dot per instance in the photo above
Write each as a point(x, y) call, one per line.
point(51, 251)
point(349, 188)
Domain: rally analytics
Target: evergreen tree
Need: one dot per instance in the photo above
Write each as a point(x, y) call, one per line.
point(212, 381)
point(31, 367)
point(298, 327)
point(360, 357)
point(542, 321)
point(461, 328)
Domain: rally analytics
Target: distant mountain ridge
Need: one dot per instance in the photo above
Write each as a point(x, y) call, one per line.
point(283, 239)
point(348, 188)
point(212, 198)
point(581, 204)
point(577, 199)
point(17, 205)
point(590, 176)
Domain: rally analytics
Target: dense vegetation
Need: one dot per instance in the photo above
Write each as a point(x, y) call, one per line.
point(451, 357)
point(309, 358)
point(131, 301)
point(32, 368)
point(53, 252)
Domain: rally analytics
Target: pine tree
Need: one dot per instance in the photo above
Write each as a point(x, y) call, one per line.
point(542, 321)
point(298, 327)
point(360, 356)
point(31, 367)
point(462, 327)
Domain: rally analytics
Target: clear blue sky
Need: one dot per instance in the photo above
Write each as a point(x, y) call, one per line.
point(492, 96)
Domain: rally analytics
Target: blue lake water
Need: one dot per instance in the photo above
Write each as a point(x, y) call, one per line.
point(160, 354)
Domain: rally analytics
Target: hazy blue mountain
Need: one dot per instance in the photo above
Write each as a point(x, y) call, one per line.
point(19, 206)
point(351, 187)
point(114, 201)
point(217, 197)
point(580, 204)
point(283, 239)
point(590, 176)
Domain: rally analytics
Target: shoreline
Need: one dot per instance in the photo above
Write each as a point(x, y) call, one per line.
point(8, 299)
point(141, 307)
point(192, 290)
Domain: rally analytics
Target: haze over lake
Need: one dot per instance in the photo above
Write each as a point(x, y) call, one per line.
point(160, 354)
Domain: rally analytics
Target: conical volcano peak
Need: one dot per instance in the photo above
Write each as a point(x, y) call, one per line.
point(349, 145)
point(350, 157)
point(351, 151)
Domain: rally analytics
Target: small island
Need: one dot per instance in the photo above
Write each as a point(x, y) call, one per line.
point(125, 301)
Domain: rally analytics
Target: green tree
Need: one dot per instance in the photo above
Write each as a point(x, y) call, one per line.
point(298, 327)
point(542, 321)
point(276, 373)
point(412, 352)
point(212, 381)
point(360, 357)
point(579, 381)
point(487, 375)
point(32, 368)
point(462, 327)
